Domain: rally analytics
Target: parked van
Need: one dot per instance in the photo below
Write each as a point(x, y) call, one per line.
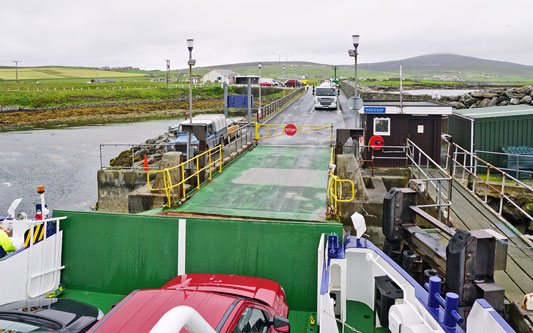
point(326, 96)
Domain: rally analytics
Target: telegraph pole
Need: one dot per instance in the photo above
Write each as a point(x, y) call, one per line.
point(168, 70)
point(17, 70)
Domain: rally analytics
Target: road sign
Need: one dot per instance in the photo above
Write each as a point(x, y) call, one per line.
point(355, 103)
point(290, 129)
point(376, 142)
point(375, 109)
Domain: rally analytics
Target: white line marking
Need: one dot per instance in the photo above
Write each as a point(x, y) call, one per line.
point(182, 230)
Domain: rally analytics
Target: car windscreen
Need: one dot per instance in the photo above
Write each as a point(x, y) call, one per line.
point(325, 92)
point(15, 322)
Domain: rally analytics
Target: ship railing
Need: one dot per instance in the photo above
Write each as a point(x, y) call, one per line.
point(471, 169)
point(214, 164)
point(434, 176)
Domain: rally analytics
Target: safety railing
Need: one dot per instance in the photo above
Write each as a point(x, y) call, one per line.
point(214, 157)
point(463, 162)
point(273, 130)
point(512, 159)
point(133, 148)
point(268, 109)
point(425, 166)
point(385, 150)
point(334, 190)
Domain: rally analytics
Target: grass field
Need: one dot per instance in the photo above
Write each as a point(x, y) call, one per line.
point(45, 73)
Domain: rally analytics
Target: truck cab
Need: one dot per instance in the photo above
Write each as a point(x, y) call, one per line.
point(326, 96)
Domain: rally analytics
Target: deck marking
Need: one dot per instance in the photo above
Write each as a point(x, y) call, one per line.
point(182, 230)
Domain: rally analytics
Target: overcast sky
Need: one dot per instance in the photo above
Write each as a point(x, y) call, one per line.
point(145, 33)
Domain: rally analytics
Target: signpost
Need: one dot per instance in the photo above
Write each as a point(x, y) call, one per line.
point(355, 103)
point(290, 129)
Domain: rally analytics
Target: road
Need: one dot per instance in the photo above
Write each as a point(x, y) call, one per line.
point(301, 112)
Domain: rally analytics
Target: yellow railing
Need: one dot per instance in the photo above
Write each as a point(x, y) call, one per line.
point(300, 129)
point(167, 180)
point(335, 186)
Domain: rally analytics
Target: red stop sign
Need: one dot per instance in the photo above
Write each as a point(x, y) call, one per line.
point(290, 129)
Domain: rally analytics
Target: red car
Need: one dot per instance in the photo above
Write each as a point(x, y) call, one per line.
point(228, 303)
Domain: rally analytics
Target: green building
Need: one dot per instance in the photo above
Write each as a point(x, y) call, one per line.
point(491, 128)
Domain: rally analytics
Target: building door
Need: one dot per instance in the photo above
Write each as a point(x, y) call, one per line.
point(422, 133)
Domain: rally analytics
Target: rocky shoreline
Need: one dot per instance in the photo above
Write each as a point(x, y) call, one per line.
point(492, 97)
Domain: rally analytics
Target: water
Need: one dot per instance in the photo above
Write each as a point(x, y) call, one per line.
point(441, 92)
point(64, 160)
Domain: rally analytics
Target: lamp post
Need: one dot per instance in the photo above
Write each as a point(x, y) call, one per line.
point(16, 70)
point(355, 40)
point(259, 83)
point(191, 62)
point(283, 78)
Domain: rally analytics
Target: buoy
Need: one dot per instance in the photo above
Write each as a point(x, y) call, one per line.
point(146, 163)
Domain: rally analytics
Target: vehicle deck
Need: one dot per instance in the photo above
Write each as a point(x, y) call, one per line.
point(269, 182)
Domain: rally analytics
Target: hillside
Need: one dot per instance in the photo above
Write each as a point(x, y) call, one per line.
point(422, 67)
point(58, 72)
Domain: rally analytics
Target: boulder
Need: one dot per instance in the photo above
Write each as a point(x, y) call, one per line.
point(484, 103)
point(525, 90)
point(526, 99)
point(503, 103)
point(514, 101)
point(493, 101)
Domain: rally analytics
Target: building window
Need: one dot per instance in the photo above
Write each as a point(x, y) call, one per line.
point(382, 126)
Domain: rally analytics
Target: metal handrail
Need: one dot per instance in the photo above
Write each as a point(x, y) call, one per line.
point(415, 155)
point(268, 109)
point(167, 180)
point(472, 170)
point(517, 169)
point(334, 191)
point(299, 129)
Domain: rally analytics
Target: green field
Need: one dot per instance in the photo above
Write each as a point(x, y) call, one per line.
point(45, 73)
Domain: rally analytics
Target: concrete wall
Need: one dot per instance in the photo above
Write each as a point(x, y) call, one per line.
point(114, 187)
point(348, 90)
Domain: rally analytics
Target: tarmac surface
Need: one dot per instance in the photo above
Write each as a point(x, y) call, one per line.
point(302, 112)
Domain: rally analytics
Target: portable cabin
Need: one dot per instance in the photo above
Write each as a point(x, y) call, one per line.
point(492, 129)
point(395, 122)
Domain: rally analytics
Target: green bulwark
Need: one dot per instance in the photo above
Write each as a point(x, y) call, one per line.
point(115, 254)
point(269, 182)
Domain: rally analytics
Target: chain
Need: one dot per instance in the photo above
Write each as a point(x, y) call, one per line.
point(342, 323)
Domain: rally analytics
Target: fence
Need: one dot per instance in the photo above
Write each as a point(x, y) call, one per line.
point(111, 87)
point(268, 109)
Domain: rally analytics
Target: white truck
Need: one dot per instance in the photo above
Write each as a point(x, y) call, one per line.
point(326, 96)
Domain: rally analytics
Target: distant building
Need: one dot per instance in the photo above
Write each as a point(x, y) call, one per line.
point(102, 81)
point(220, 75)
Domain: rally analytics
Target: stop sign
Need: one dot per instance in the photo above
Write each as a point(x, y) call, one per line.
point(290, 129)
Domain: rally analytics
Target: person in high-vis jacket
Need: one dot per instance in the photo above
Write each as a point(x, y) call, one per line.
point(6, 246)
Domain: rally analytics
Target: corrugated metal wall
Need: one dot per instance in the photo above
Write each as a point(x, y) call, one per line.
point(459, 129)
point(491, 134)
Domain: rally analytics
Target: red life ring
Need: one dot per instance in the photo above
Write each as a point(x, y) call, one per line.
point(376, 142)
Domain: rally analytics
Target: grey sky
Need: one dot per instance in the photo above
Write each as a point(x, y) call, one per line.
point(144, 33)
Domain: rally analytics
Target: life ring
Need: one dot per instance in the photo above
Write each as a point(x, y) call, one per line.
point(376, 142)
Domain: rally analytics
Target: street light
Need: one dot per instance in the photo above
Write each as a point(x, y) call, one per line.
point(259, 83)
point(353, 53)
point(283, 78)
point(191, 62)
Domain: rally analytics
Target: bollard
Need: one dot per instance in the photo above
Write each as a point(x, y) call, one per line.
point(433, 288)
point(451, 316)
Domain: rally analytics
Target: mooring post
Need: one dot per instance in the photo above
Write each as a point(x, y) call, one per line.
point(226, 99)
